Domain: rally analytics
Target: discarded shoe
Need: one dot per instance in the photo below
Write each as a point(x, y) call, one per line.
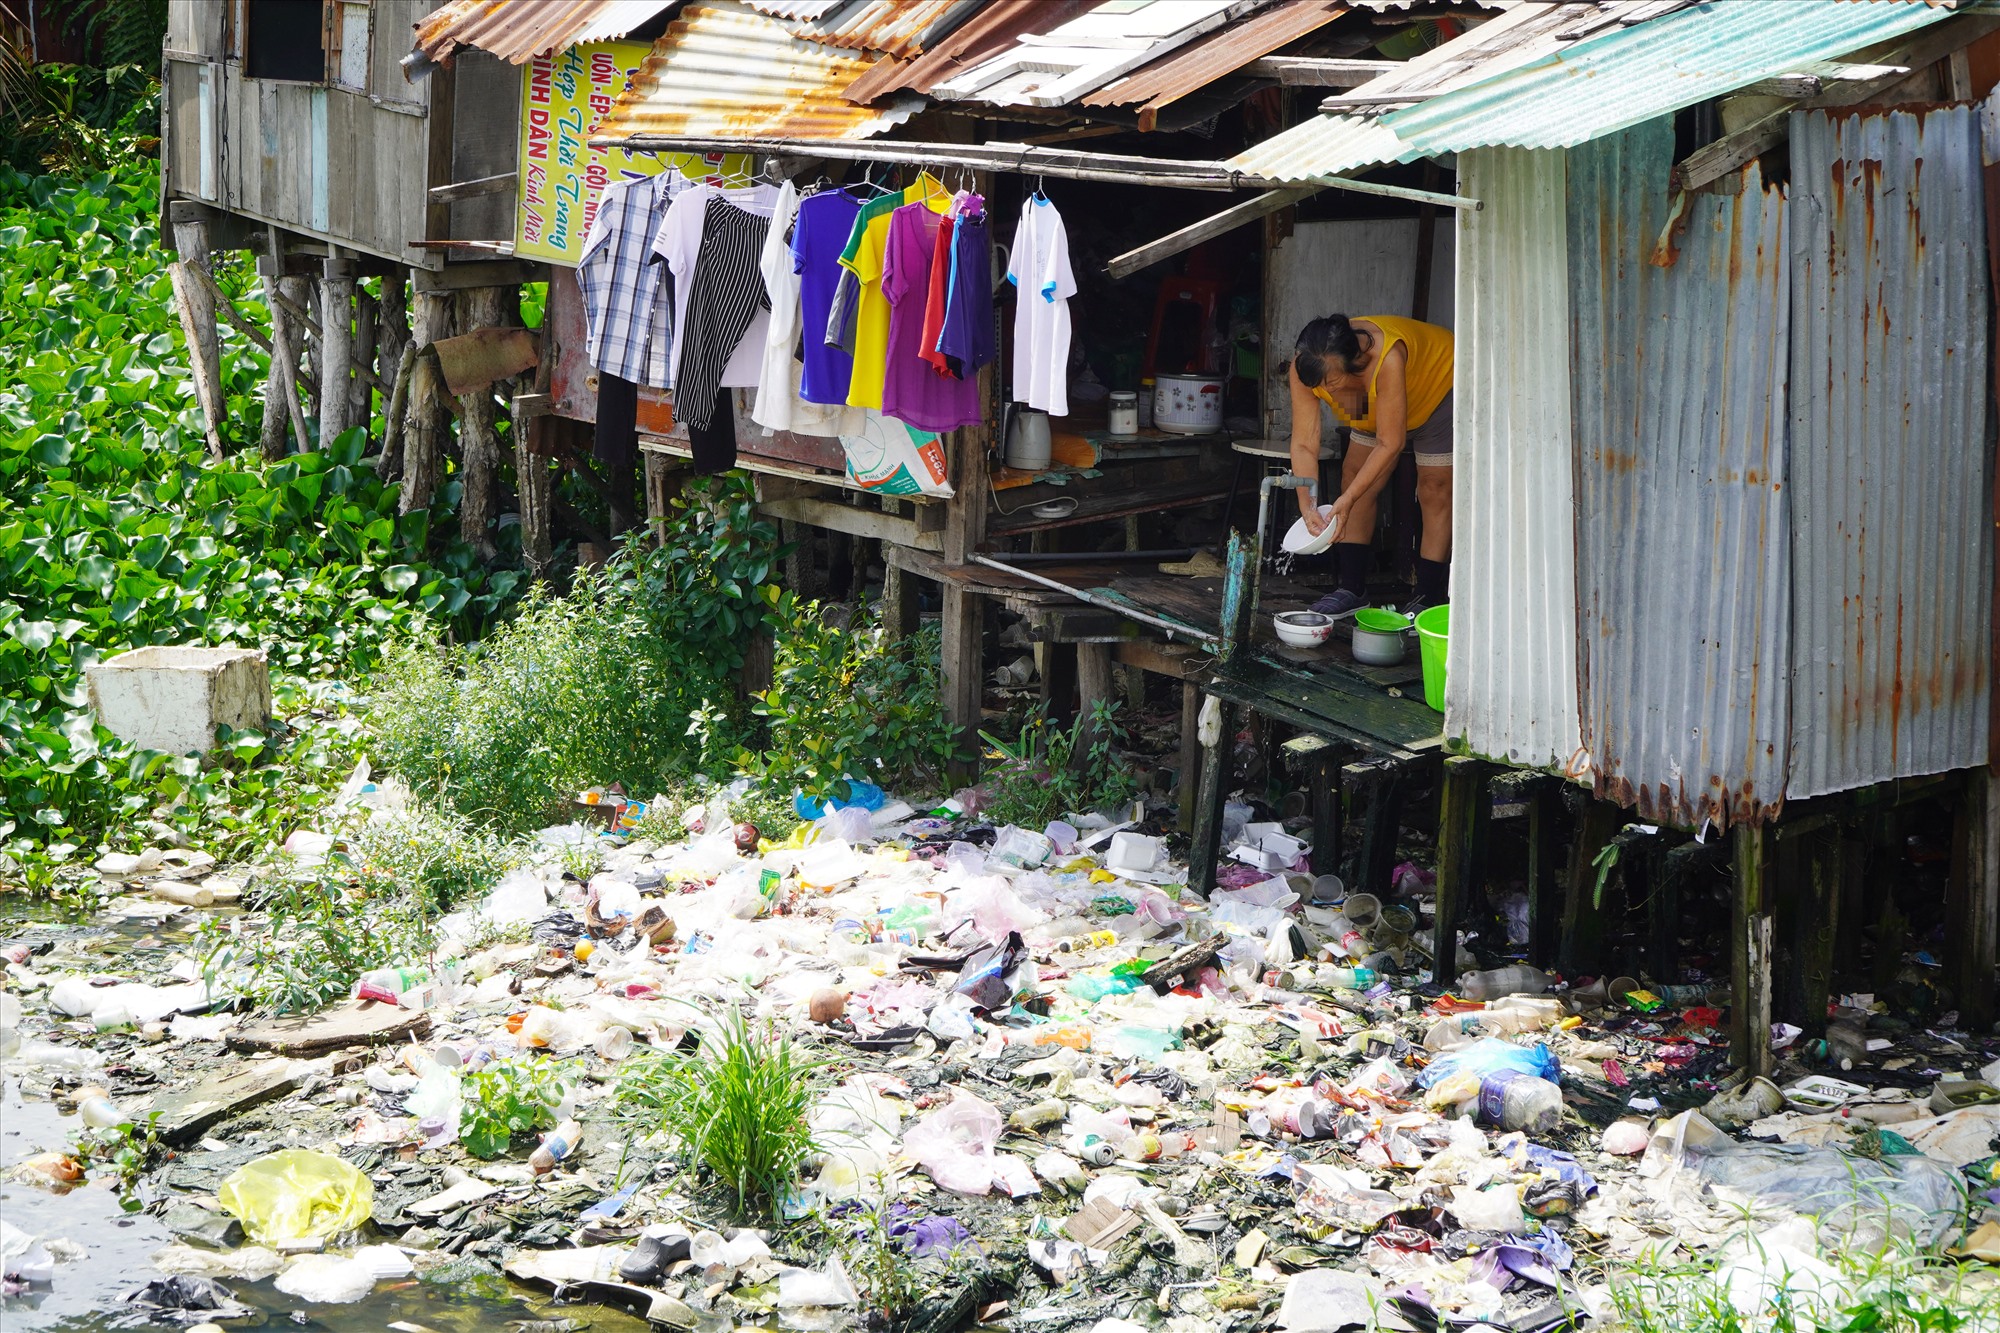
point(660, 1247)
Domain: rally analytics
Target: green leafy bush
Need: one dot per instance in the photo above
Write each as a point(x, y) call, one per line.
point(506, 1098)
point(1048, 771)
point(850, 702)
point(116, 531)
point(438, 855)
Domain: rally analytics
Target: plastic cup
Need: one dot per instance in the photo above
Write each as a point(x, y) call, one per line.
point(1433, 635)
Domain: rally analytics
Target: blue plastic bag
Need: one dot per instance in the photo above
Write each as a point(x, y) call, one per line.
point(1492, 1056)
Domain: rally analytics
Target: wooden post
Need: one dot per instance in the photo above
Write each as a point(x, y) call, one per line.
point(336, 345)
point(281, 386)
point(1663, 951)
point(1459, 798)
point(535, 484)
point(898, 611)
point(961, 660)
point(195, 301)
point(478, 438)
point(1750, 952)
point(1813, 901)
point(1190, 774)
point(427, 425)
point(1578, 951)
point(1972, 904)
point(1093, 686)
point(1379, 789)
point(1210, 796)
point(361, 401)
point(1544, 800)
point(1326, 821)
point(1058, 672)
point(392, 337)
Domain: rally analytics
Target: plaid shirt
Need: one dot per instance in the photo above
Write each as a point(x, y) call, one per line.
point(626, 306)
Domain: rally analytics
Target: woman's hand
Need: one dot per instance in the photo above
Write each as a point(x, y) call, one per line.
point(1342, 503)
point(1309, 512)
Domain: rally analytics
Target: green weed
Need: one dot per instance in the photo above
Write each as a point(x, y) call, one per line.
point(438, 855)
point(737, 1104)
point(506, 1098)
point(1048, 771)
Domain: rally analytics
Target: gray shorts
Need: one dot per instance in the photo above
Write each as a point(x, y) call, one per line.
point(1429, 444)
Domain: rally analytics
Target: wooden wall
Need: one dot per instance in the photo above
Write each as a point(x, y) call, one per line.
point(348, 165)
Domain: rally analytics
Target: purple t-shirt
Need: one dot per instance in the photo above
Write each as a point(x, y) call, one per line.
point(967, 336)
point(912, 390)
point(825, 221)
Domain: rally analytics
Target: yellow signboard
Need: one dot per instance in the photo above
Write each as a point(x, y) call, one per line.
point(563, 97)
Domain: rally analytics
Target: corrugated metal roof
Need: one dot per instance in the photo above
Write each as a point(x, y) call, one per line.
point(519, 30)
point(1684, 561)
point(797, 11)
point(1628, 75)
point(993, 28)
point(1511, 691)
point(1328, 145)
point(1216, 56)
point(900, 28)
point(722, 70)
point(1892, 528)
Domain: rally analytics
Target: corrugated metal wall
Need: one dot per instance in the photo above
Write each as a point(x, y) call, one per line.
point(1892, 533)
point(1683, 550)
point(1511, 691)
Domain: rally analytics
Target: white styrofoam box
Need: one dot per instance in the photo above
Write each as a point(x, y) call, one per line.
point(1282, 844)
point(1133, 852)
point(173, 698)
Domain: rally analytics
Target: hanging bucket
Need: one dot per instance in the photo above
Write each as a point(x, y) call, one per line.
point(1433, 633)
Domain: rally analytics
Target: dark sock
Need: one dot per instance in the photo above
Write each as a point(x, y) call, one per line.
point(1433, 580)
point(1351, 559)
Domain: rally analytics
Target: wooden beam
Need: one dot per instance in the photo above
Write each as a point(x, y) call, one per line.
point(1459, 796)
point(1732, 152)
point(853, 520)
point(1750, 952)
point(1972, 902)
point(1211, 793)
point(474, 189)
point(478, 273)
point(192, 299)
point(1220, 224)
point(1544, 799)
point(336, 346)
point(1314, 72)
point(1577, 951)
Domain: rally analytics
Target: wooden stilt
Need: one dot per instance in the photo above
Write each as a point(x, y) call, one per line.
point(1378, 794)
point(1191, 752)
point(1972, 908)
point(396, 415)
point(1459, 798)
point(1093, 687)
point(195, 301)
point(1326, 822)
point(336, 345)
point(392, 335)
point(1058, 677)
point(1750, 952)
point(478, 436)
point(1210, 795)
point(281, 386)
point(1814, 902)
point(427, 425)
point(1579, 950)
point(1544, 801)
point(361, 401)
point(960, 665)
point(1663, 913)
point(898, 609)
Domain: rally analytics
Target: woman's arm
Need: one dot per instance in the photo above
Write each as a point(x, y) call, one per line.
point(1305, 448)
point(1392, 414)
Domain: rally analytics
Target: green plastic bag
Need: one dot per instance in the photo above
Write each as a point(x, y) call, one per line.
point(296, 1194)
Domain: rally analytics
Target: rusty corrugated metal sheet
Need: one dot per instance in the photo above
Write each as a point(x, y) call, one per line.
point(519, 30)
point(994, 28)
point(1684, 562)
point(1511, 691)
point(722, 70)
point(900, 28)
point(1893, 602)
point(1207, 59)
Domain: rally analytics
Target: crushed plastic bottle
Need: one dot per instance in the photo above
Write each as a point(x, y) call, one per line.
point(557, 1145)
point(1519, 979)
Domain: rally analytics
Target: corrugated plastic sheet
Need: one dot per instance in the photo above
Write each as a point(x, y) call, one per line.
point(722, 70)
point(1625, 76)
point(519, 30)
point(1683, 548)
point(1218, 55)
point(901, 28)
point(1511, 692)
point(1893, 599)
point(995, 27)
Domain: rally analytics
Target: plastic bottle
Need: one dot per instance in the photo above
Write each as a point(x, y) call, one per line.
point(560, 1143)
point(390, 984)
point(1345, 978)
point(94, 1104)
point(1516, 980)
point(1516, 1101)
point(1846, 1045)
point(1040, 1115)
point(1346, 939)
point(1504, 1018)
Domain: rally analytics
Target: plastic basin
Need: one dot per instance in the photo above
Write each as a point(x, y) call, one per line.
point(1433, 634)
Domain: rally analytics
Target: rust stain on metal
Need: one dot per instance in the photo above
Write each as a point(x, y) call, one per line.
point(519, 30)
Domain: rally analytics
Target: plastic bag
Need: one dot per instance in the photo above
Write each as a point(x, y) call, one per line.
point(297, 1194)
point(1492, 1056)
point(954, 1143)
point(327, 1279)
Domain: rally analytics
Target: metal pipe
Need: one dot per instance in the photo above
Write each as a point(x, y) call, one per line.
point(1170, 626)
point(1270, 483)
point(1398, 192)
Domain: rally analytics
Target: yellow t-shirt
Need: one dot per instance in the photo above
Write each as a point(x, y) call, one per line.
point(1426, 371)
point(871, 316)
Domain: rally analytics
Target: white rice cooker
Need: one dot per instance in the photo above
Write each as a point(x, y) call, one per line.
point(1188, 404)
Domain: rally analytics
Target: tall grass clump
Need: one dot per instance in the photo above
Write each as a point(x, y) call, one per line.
point(738, 1104)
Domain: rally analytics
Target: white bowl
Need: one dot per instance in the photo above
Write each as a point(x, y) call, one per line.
point(1302, 629)
point(1300, 542)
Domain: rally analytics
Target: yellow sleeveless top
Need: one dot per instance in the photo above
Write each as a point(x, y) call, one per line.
point(1426, 372)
